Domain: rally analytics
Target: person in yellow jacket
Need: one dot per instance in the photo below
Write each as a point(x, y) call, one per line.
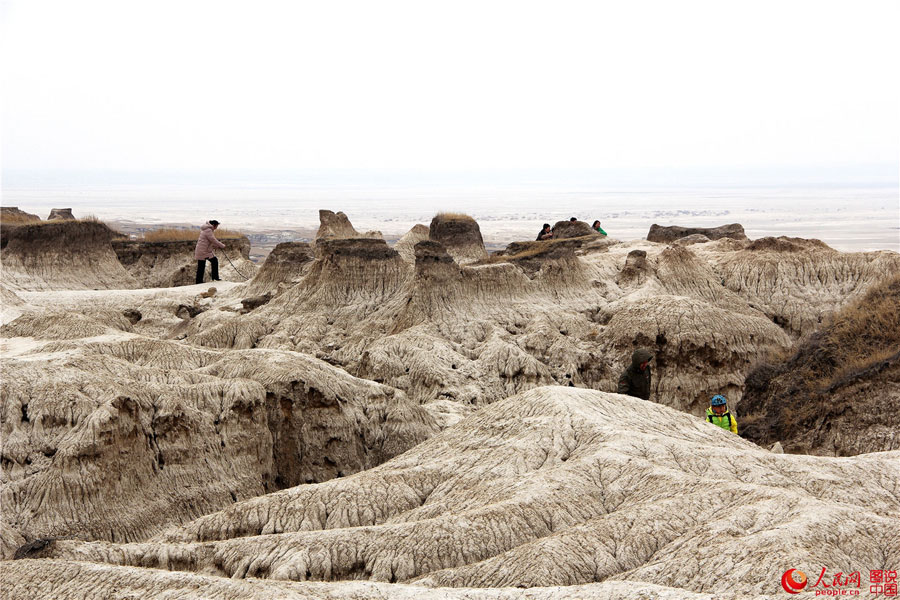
point(718, 414)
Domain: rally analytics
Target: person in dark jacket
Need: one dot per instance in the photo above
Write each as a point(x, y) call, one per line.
point(635, 380)
point(206, 243)
point(545, 233)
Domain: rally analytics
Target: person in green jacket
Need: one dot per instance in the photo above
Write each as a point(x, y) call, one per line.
point(596, 227)
point(635, 380)
point(718, 414)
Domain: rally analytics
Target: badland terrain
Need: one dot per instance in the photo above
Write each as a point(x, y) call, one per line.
point(353, 419)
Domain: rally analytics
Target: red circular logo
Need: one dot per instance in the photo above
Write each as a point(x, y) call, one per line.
point(793, 581)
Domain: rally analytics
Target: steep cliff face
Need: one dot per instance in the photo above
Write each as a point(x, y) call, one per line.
point(170, 264)
point(60, 255)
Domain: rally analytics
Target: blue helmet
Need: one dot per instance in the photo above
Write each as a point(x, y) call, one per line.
point(718, 400)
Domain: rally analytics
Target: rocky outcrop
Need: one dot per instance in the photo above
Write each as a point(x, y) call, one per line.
point(171, 264)
point(12, 214)
point(694, 238)
point(460, 235)
point(61, 214)
point(788, 244)
point(337, 225)
point(837, 393)
point(405, 246)
point(636, 269)
point(62, 255)
point(254, 302)
point(572, 229)
point(553, 487)
point(284, 266)
point(429, 254)
point(354, 248)
point(531, 257)
point(668, 234)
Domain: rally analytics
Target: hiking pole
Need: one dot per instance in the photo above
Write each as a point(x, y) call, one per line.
point(225, 254)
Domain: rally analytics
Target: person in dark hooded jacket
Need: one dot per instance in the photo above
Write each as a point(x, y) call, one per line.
point(635, 380)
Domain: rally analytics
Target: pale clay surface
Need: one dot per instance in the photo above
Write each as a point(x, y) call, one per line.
point(400, 420)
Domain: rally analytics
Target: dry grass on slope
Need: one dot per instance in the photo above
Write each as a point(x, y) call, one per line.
point(866, 332)
point(11, 218)
point(524, 250)
point(16, 219)
point(838, 377)
point(453, 216)
point(859, 336)
point(172, 234)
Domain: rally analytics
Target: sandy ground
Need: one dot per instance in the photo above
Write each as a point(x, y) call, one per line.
point(75, 298)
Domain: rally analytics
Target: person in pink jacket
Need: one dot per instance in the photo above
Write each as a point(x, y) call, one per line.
point(204, 250)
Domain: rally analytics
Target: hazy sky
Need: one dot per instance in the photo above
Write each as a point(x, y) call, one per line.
point(455, 85)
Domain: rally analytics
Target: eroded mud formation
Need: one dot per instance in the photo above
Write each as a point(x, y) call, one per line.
point(284, 266)
point(440, 422)
point(61, 255)
point(116, 439)
point(554, 487)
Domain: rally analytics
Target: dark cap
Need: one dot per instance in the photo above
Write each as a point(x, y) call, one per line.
point(213, 222)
